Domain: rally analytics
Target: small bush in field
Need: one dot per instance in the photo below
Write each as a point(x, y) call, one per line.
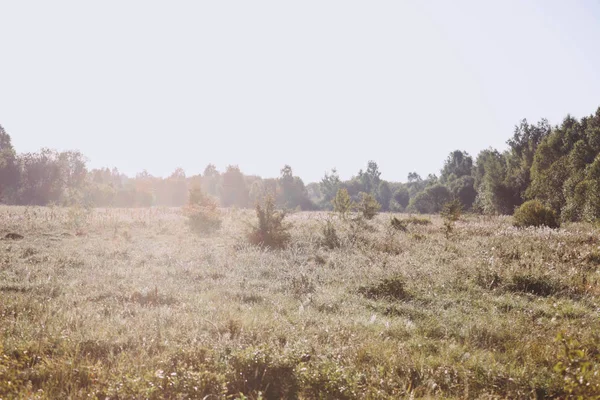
point(452, 210)
point(368, 206)
point(202, 213)
point(534, 213)
point(330, 237)
point(342, 203)
point(271, 231)
point(264, 371)
point(399, 224)
point(537, 285)
point(391, 288)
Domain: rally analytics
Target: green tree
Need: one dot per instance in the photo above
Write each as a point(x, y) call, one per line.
point(330, 184)
point(458, 164)
point(368, 206)
point(384, 195)
point(9, 172)
point(292, 193)
point(463, 189)
point(402, 197)
point(370, 179)
point(342, 204)
point(431, 200)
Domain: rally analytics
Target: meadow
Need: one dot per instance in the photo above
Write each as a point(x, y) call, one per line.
point(129, 303)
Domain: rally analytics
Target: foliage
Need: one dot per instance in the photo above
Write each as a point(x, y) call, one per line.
point(233, 188)
point(463, 189)
point(451, 213)
point(384, 195)
point(401, 196)
point(202, 213)
point(342, 204)
point(431, 200)
point(458, 164)
point(270, 232)
point(9, 173)
point(330, 185)
point(391, 288)
point(330, 237)
point(292, 193)
point(534, 213)
point(452, 210)
point(368, 206)
point(258, 370)
point(579, 368)
point(399, 224)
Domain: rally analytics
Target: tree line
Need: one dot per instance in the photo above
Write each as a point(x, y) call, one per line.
point(557, 165)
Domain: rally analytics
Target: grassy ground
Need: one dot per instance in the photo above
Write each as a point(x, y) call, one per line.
point(131, 304)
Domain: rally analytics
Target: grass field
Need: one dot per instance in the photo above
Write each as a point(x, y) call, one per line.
point(131, 304)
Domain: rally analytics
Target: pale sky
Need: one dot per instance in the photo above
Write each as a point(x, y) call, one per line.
point(158, 85)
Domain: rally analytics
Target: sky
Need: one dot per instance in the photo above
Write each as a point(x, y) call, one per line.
point(157, 85)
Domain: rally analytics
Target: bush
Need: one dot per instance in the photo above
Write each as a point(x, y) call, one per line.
point(452, 210)
point(534, 213)
point(579, 368)
point(202, 213)
point(391, 288)
point(537, 285)
point(342, 203)
point(399, 224)
point(270, 231)
point(368, 206)
point(262, 370)
point(330, 237)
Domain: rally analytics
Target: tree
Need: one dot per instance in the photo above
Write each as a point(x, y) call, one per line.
point(368, 206)
point(458, 164)
point(384, 195)
point(9, 172)
point(211, 180)
point(329, 186)
point(494, 196)
point(431, 200)
point(371, 178)
point(342, 203)
point(402, 197)
point(463, 189)
point(292, 193)
point(233, 188)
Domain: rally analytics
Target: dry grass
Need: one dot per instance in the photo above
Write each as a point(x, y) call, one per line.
point(131, 304)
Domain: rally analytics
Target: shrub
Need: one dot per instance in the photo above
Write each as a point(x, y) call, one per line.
point(534, 213)
point(538, 285)
point(202, 213)
point(271, 231)
point(399, 224)
point(391, 288)
point(451, 213)
point(342, 203)
point(452, 210)
point(368, 206)
point(579, 368)
point(261, 370)
point(330, 237)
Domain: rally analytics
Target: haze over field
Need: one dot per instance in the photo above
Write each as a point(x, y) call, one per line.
point(155, 85)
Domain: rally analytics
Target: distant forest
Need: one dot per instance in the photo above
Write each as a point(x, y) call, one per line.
point(558, 165)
